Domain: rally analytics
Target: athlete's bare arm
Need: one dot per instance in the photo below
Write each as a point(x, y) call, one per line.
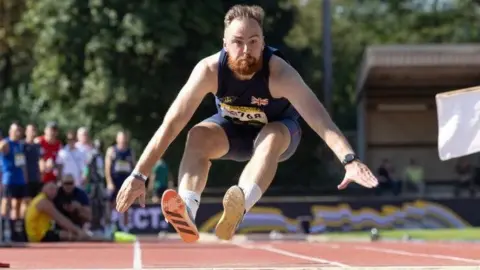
point(286, 82)
point(202, 80)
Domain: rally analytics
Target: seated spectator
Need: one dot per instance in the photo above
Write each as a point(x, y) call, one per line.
point(71, 160)
point(40, 214)
point(414, 177)
point(73, 202)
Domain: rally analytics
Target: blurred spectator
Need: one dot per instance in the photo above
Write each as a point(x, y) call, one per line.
point(32, 155)
point(73, 202)
point(71, 160)
point(40, 214)
point(95, 175)
point(119, 164)
point(160, 180)
point(50, 145)
point(95, 171)
point(414, 177)
point(386, 178)
point(14, 175)
point(464, 171)
point(84, 143)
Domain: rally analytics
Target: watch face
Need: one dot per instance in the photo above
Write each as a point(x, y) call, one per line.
point(349, 158)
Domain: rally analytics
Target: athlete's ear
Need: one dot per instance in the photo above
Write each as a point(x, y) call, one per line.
point(224, 44)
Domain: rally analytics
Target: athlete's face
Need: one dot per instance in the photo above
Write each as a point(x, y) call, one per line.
point(244, 44)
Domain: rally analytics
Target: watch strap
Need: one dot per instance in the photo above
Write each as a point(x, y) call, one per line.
point(349, 158)
point(139, 176)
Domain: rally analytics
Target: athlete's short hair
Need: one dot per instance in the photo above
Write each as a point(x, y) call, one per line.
point(245, 11)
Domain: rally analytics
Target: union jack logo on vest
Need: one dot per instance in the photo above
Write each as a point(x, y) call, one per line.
point(260, 101)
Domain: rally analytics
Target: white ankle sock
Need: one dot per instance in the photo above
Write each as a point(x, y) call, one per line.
point(253, 193)
point(191, 199)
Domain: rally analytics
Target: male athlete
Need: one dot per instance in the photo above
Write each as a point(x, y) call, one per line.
point(258, 95)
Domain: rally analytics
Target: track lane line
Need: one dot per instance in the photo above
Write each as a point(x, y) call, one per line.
point(283, 252)
point(137, 256)
point(416, 254)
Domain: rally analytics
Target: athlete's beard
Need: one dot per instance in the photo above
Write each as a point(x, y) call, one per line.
point(245, 66)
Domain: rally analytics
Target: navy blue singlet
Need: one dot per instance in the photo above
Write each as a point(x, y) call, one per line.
point(249, 101)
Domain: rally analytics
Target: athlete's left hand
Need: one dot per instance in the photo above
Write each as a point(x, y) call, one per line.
point(132, 188)
point(359, 173)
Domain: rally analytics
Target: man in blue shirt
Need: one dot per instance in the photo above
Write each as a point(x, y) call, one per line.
point(13, 167)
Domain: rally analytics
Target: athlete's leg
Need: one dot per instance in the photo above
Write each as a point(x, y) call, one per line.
point(205, 141)
point(276, 142)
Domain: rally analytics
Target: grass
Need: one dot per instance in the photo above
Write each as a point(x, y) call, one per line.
point(421, 234)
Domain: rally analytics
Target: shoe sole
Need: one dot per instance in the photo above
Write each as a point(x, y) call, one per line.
point(175, 212)
point(233, 210)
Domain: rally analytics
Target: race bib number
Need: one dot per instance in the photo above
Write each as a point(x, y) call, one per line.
point(19, 160)
point(122, 166)
point(244, 114)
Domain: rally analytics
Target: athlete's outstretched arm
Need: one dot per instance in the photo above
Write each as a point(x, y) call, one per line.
point(180, 112)
point(286, 82)
point(202, 80)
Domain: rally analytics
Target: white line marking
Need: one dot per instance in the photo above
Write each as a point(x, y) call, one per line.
point(416, 254)
point(137, 256)
point(292, 254)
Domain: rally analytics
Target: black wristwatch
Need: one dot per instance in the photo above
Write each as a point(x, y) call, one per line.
point(139, 176)
point(349, 158)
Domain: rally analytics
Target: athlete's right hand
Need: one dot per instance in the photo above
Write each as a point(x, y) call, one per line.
point(132, 188)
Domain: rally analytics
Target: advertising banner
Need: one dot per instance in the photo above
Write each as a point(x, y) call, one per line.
point(321, 217)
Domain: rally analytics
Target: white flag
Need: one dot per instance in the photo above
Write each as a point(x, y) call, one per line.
point(458, 123)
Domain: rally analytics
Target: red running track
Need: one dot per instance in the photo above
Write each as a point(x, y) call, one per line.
point(252, 255)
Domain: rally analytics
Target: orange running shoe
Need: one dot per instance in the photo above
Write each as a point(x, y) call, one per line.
point(176, 213)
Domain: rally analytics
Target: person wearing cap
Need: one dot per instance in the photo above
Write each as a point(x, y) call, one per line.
point(50, 145)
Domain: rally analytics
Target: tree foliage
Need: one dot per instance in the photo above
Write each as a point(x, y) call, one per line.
point(111, 64)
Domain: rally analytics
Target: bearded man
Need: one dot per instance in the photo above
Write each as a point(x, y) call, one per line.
point(259, 97)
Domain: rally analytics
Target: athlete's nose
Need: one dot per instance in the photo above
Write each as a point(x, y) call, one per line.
point(246, 49)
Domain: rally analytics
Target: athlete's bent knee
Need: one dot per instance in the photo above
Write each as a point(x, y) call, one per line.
point(207, 140)
point(273, 138)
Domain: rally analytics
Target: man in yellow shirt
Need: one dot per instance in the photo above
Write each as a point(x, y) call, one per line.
point(39, 218)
